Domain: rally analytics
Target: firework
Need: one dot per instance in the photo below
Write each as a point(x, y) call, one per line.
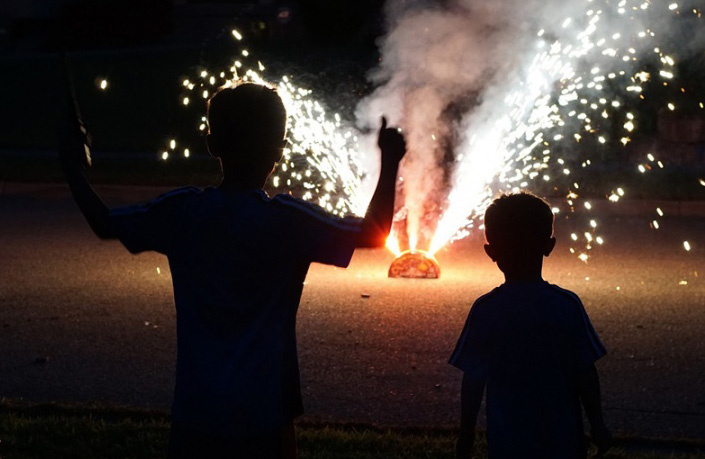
point(573, 98)
point(321, 160)
point(415, 265)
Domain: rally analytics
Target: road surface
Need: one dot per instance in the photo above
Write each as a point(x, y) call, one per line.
point(83, 320)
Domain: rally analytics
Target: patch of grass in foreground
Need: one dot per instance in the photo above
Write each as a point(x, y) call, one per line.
point(369, 443)
point(92, 432)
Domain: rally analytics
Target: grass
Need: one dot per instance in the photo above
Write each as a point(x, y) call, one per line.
point(93, 431)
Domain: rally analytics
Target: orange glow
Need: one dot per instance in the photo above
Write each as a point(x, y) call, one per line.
point(413, 240)
point(393, 244)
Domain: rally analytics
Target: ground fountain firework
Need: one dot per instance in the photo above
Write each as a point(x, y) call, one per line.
point(415, 265)
point(559, 97)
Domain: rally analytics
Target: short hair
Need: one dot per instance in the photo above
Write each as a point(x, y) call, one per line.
point(246, 120)
point(518, 221)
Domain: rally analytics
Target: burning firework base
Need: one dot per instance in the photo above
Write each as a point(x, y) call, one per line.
point(415, 264)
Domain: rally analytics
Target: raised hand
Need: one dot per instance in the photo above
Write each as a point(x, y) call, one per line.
point(391, 142)
point(378, 219)
point(75, 157)
point(75, 141)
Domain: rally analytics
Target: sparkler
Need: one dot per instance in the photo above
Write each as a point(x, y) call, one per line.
point(321, 159)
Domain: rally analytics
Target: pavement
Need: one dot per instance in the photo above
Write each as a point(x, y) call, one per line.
point(83, 320)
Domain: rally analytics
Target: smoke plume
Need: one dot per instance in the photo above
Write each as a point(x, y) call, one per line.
point(477, 84)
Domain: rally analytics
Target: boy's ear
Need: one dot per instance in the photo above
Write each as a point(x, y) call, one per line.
point(550, 245)
point(489, 250)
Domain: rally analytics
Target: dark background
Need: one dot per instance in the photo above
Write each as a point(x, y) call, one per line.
point(146, 48)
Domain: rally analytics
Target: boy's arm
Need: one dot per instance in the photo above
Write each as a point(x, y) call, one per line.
point(74, 155)
point(589, 391)
point(94, 209)
point(471, 391)
point(378, 219)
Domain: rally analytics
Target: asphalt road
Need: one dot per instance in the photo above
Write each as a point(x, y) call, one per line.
point(83, 320)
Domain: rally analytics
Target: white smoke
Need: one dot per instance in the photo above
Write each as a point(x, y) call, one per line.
point(435, 58)
point(469, 80)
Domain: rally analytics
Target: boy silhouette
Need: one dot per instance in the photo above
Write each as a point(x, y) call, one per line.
point(531, 345)
point(238, 259)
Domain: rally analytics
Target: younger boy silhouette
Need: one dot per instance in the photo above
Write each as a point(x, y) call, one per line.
point(531, 345)
point(238, 260)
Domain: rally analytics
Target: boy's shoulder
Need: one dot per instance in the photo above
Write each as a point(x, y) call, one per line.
point(163, 201)
point(181, 192)
point(487, 297)
point(177, 194)
point(288, 201)
point(485, 302)
point(513, 293)
point(567, 294)
point(313, 211)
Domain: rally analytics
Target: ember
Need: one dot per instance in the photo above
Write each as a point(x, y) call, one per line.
point(415, 264)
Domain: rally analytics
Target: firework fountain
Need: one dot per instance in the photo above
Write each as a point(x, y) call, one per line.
point(493, 97)
point(500, 96)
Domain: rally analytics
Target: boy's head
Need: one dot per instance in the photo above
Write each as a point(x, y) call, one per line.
point(518, 230)
point(246, 127)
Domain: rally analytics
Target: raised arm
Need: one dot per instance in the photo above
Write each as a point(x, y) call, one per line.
point(378, 219)
point(74, 154)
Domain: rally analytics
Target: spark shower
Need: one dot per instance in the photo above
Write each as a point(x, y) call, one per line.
point(493, 97)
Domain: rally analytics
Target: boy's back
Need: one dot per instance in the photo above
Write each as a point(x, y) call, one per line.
point(531, 339)
point(238, 263)
point(531, 345)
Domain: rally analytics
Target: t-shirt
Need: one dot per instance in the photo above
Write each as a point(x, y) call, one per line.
point(530, 340)
point(238, 264)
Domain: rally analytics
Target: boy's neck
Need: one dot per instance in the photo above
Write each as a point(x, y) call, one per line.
point(522, 277)
point(240, 184)
point(529, 271)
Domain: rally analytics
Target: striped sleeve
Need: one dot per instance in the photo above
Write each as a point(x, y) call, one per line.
point(317, 235)
point(153, 225)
